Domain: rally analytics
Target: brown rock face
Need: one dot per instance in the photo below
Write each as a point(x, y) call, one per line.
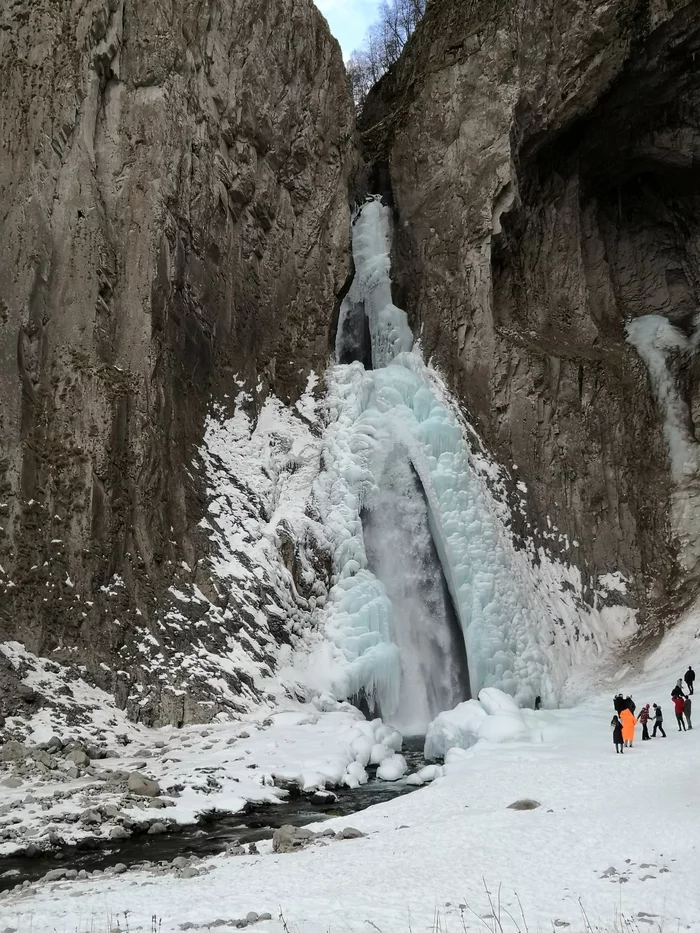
point(543, 161)
point(174, 215)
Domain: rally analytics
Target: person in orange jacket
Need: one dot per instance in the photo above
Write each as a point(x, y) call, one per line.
point(628, 723)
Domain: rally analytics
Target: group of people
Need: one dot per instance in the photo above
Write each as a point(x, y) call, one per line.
point(623, 722)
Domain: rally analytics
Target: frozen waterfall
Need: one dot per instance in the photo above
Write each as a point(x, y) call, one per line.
point(424, 625)
point(433, 578)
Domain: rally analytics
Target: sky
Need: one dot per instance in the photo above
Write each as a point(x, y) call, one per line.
point(349, 20)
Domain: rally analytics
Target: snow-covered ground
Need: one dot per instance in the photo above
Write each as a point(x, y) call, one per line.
point(614, 837)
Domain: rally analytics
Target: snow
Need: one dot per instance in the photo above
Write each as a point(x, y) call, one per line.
point(312, 745)
point(392, 768)
point(614, 837)
point(494, 717)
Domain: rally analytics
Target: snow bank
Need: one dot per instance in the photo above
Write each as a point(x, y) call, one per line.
point(494, 717)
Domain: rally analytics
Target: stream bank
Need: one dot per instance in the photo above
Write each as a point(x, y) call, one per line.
point(214, 832)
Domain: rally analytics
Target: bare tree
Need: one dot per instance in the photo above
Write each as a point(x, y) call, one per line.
point(383, 44)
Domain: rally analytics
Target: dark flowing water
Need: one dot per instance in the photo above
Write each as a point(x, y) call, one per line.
point(213, 834)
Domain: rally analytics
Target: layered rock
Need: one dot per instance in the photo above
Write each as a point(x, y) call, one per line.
point(174, 226)
point(542, 158)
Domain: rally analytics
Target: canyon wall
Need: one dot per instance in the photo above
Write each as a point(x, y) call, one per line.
point(174, 227)
point(542, 157)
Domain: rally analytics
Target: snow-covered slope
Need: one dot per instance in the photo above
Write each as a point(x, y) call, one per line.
point(612, 848)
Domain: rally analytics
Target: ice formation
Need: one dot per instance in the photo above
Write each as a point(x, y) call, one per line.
point(660, 344)
point(396, 425)
point(494, 717)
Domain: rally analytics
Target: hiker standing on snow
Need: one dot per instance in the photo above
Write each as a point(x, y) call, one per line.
point(628, 723)
point(644, 719)
point(630, 705)
point(617, 734)
point(690, 679)
point(619, 703)
point(679, 705)
point(658, 722)
point(687, 709)
point(677, 690)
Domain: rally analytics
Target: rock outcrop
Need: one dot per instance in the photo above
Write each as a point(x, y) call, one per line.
point(543, 161)
point(174, 226)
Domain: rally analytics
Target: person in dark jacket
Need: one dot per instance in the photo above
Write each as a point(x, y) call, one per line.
point(677, 690)
point(644, 720)
point(619, 703)
point(690, 679)
point(658, 722)
point(617, 734)
point(678, 705)
point(687, 709)
point(630, 704)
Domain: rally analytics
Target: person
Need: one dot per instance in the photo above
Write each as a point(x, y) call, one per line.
point(630, 705)
point(617, 734)
point(658, 722)
point(678, 705)
point(538, 702)
point(677, 690)
point(644, 720)
point(687, 709)
point(628, 723)
point(690, 679)
point(619, 703)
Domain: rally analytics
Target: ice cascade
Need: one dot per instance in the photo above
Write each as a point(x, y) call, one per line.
point(396, 453)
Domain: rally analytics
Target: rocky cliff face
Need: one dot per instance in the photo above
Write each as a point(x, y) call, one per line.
point(543, 161)
point(174, 226)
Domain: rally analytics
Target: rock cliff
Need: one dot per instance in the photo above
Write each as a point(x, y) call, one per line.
point(174, 227)
point(542, 157)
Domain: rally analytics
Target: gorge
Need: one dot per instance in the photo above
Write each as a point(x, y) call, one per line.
point(152, 320)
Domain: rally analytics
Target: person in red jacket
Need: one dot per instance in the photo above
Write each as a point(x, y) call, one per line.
point(644, 720)
point(679, 706)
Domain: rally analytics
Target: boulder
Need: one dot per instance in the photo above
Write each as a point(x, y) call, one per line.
point(13, 781)
point(118, 832)
point(142, 786)
point(44, 758)
point(290, 838)
point(351, 833)
point(90, 817)
point(55, 874)
point(156, 829)
point(13, 751)
point(79, 757)
point(524, 804)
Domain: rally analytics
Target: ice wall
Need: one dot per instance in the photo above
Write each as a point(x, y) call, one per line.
point(521, 624)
